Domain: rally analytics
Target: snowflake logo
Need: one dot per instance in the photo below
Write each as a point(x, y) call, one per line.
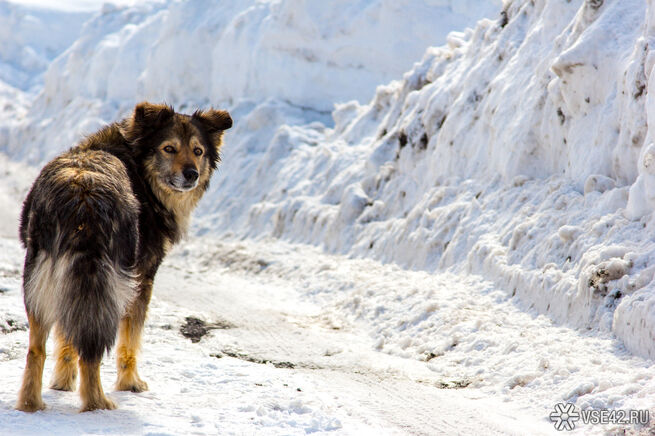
point(564, 416)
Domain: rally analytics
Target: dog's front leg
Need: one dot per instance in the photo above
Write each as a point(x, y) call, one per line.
point(66, 364)
point(129, 341)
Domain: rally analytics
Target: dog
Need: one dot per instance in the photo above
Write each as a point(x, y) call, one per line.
point(96, 225)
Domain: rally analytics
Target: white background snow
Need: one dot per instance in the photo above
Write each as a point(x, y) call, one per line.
point(438, 212)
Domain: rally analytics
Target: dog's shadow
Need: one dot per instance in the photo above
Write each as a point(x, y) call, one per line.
point(62, 417)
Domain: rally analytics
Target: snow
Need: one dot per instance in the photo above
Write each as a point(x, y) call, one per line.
point(453, 168)
point(73, 5)
point(373, 349)
point(468, 230)
point(25, 53)
point(304, 54)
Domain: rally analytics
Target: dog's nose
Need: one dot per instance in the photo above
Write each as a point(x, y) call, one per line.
point(190, 174)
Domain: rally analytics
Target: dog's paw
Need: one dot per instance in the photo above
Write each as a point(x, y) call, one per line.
point(30, 406)
point(99, 403)
point(134, 385)
point(63, 384)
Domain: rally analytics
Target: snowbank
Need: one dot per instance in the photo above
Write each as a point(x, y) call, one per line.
point(306, 54)
point(510, 152)
point(31, 38)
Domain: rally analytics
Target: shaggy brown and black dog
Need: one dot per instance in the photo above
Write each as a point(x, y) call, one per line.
point(96, 225)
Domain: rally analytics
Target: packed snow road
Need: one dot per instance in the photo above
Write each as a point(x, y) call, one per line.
point(283, 339)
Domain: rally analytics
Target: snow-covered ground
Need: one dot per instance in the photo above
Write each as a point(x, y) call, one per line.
point(449, 246)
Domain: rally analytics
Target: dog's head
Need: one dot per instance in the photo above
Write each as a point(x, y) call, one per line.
point(179, 152)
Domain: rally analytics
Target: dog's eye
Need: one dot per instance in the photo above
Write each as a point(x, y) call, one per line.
point(169, 149)
point(197, 151)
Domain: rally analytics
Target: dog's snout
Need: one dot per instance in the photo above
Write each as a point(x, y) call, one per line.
point(190, 174)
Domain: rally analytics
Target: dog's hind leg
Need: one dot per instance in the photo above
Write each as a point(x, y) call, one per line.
point(29, 398)
point(66, 357)
point(129, 341)
point(93, 397)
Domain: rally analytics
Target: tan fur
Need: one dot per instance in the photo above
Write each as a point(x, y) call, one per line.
point(72, 172)
point(185, 155)
point(180, 203)
point(93, 397)
point(195, 143)
point(129, 343)
point(29, 398)
point(167, 246)
point(66, 358)
point(78, 176)
point(66, 174)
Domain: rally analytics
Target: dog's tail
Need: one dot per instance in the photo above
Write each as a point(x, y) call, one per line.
point(81, 275)
point(93, 300)
point(85, 295)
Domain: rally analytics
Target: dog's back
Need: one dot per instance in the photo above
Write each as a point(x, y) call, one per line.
point(79, 228)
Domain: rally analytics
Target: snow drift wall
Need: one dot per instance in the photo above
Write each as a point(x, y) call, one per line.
point(25, 53)
point(194, 53)
point(510, 153)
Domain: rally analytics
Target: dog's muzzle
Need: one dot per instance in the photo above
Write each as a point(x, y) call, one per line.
point(185, 181)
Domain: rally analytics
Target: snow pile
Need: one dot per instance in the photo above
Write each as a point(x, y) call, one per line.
point(509, 152)
point(31, 37)
point(11, 196)
point(25, 53)
point(305, 54)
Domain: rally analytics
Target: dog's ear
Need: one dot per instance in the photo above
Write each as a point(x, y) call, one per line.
point(146, 118)
point(214, 120)
point(152, 115)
